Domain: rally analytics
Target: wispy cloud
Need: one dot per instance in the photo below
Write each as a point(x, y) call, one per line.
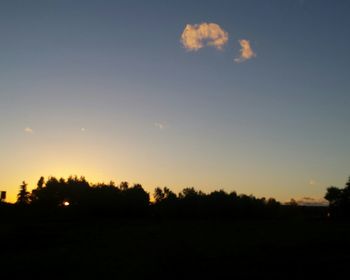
point(83, 129)
point(29, 130)
point(160, 125)
point(246, 52)
point(196, 36)
point(310, 201)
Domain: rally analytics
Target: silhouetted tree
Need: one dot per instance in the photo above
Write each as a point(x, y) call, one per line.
point(166, 203)
point(136, 199)
point(190, 193)
point(40, 185)
point(163, 195)
point(333, 195)
point(41, 182)
point(57, 191)
point(124, 186)
point(106, 199)
point(23, 196)
point(339, 201)
point(292, 203)
point(158, 195)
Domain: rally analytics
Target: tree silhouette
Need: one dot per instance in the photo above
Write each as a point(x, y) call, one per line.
point(23, 196)
point(339, 201)
point(164, 195)
point(333, 195)
point(158, 195)
point(124, 186)
point(80, 195)
point(41, 182)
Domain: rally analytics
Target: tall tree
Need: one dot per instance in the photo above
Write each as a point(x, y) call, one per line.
point(41, 182)
point(23, 196)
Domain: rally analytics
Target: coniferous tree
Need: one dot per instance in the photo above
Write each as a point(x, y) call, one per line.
point(23, 196)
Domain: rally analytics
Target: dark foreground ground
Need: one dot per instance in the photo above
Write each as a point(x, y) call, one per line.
point(144, 249)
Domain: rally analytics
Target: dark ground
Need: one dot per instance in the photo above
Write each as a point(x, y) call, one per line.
point(144, 249)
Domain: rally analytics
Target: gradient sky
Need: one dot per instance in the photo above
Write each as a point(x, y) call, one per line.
point(107, 90)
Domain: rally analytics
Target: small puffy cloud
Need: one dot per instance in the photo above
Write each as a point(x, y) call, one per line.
point(29, 130)
point(196, 36)
point(246, 51)
point(160, 125)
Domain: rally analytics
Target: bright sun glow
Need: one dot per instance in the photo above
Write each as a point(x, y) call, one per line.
point(66, 203)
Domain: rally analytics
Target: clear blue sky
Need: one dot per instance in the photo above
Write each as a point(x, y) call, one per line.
point(106, 89)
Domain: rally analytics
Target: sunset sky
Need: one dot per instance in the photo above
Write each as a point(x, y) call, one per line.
point(252, 96)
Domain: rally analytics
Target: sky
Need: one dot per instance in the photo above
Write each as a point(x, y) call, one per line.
point(244, 95)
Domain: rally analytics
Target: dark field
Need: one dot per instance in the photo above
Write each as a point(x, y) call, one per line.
point(117, 249)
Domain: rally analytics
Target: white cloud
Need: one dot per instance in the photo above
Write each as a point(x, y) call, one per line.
point(246, 52)
point(196, 36)
point(29, 130)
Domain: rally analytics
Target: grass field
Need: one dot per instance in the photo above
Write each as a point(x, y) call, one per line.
point(143, 249)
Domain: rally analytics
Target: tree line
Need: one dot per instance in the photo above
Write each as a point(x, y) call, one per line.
point(77, 194)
